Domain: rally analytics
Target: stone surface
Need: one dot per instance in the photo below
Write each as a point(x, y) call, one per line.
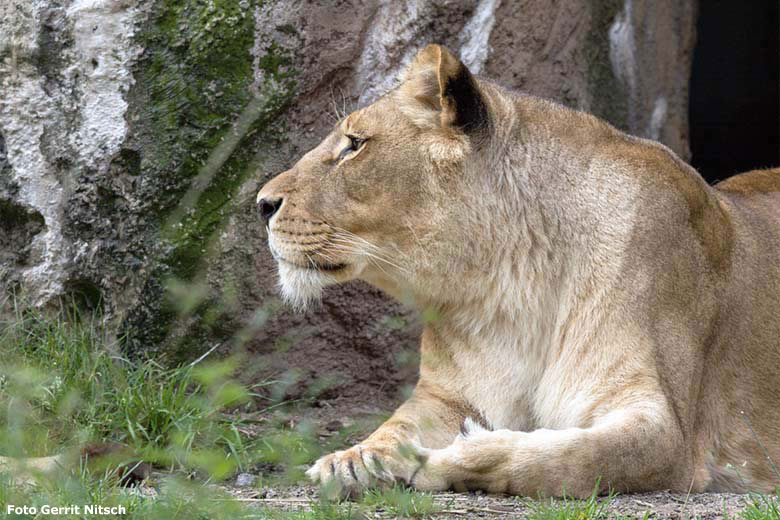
point(245, 479)
point(134, 134)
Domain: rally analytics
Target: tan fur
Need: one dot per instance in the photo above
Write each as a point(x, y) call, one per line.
point(97, 457)
point(602, 312)
point(752, 182)
point(25, 470)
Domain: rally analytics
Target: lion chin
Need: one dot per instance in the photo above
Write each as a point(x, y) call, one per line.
point(301, 287)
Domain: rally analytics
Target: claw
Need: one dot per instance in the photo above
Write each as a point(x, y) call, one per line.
point(345, 474)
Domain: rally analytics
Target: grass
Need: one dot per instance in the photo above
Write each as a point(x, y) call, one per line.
point(762, 507)
point(401, 502)
point(60, 385)
point(323, 511)
point(592, 508)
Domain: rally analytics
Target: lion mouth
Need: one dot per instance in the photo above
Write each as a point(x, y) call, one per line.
point(329, 268)
point(310, 264)
point(314, 265)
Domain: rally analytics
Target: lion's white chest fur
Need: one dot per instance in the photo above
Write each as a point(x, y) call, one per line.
point(513, 385)
point(499, 383)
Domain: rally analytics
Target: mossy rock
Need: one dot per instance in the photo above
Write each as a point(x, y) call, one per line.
point(201, 110)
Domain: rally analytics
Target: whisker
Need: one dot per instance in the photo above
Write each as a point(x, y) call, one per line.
point(352, 238)
point(328, 257)
point(374, 256)
point(335, 115)
point(361, 252)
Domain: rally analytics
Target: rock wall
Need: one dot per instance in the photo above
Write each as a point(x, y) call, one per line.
point(133, 135)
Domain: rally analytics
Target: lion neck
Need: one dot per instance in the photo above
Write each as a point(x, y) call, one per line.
point(520, 265)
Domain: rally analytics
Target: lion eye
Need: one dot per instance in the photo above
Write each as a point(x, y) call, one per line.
point(354, 144)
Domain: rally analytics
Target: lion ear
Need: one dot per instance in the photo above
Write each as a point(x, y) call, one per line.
point(439, 91)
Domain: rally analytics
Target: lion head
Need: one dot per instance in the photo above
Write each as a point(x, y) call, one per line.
point(373, 200)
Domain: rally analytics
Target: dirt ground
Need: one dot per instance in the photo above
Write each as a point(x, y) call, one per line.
point(477, 505)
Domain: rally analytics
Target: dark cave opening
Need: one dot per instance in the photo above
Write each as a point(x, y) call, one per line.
point(735, 94)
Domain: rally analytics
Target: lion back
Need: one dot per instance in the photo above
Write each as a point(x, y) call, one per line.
point(752, 182)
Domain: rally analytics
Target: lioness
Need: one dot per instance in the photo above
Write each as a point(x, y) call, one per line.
point(602, 314)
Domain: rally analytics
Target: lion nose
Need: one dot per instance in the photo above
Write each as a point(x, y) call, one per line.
point(269, 207)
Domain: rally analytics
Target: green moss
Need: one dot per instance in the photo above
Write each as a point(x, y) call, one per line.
point(609, 97)
point(195, 80)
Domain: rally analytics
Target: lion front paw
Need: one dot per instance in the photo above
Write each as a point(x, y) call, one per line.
point(347, 473)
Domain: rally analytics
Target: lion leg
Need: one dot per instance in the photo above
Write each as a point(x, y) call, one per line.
point(430, 418)
point(624, 451)
point(22, 471)
point(97, 456)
